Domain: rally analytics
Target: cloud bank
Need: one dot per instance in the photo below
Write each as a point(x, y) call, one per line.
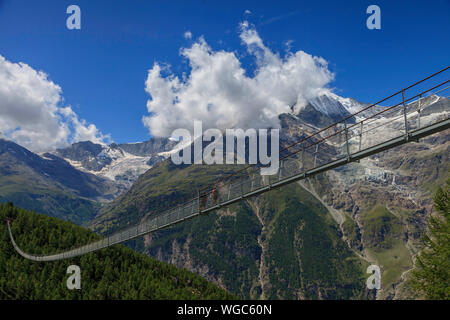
point(218, 92)
point(30, 111)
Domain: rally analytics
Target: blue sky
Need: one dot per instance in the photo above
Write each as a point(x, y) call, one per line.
point(102, 68)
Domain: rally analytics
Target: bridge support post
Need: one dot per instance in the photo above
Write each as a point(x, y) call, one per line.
point(346, 140)
point(418, 116)
point(303, 158)
point(418, 111)
point(360, 138)
point(198, 200)
point(405, 116)
point(315, 155)
point(280, 168)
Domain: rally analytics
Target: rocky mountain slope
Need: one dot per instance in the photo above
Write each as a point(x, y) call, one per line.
point(386, 201)
point(49, 184)
point(307, 240)
point(122, 163)
point(280, 245)
point(372, 212)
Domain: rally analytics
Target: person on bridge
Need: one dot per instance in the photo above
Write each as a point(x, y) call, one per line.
point(203, 199)
point(214, 195)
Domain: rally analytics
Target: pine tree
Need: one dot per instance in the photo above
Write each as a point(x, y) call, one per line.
point(11, 211)
point(431, 277)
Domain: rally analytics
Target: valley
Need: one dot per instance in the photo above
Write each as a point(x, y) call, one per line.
point(311, 240)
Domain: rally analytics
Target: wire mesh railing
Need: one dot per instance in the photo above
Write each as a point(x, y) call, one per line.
point(339, 143)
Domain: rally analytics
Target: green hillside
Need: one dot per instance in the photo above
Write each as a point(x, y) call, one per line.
point(281, 245)
point(166, 184)
point(303, 257)
point(52, 201)
point(113, 273)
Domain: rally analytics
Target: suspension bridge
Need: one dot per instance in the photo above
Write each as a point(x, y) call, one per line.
point(411, 115)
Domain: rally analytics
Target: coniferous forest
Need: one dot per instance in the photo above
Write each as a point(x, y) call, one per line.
point(113, 273)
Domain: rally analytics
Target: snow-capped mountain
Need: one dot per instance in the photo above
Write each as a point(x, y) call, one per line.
point(48, 184)
point(330, 105)
point(328, 108)
point(380, 205)
point(122, 163)
point(351, 105)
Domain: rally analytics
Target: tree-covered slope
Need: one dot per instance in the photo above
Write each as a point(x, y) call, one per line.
point(112, 273)
point(265, 247)
point(431, 276)
point(281, 245)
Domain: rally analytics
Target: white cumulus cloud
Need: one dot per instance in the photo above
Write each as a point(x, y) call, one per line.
point(31, 112)
point(220, 94)
point(188, 35)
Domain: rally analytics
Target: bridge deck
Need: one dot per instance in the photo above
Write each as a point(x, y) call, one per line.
point(327, 149)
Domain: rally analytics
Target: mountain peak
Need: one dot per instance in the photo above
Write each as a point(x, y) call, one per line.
point(328, 108)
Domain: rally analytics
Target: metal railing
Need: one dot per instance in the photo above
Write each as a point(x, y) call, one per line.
point(369, 131)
